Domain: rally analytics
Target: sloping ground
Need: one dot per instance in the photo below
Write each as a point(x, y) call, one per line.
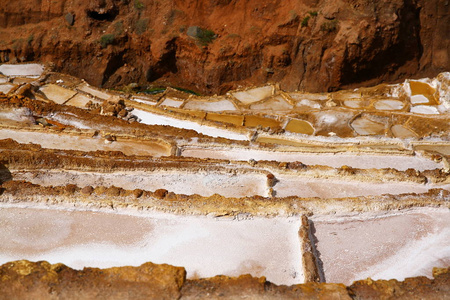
point(296, 187)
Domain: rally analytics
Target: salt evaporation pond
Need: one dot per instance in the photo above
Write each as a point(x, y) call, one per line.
point(382, 245)
point(204, 246)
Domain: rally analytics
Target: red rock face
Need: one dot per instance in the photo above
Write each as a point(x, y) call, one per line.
point(313, 45)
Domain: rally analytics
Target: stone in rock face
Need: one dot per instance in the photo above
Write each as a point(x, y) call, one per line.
point(70, 18)
point(87, 190)
point(411, 288)
point(193, 31)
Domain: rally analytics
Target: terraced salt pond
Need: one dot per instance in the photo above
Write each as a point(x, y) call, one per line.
point(156, 119)
point(382, 245)
point(22, 70)
point(228, 184)
point(335, 160)
point(220, 105)
point(6, 88)
point(85, 143)
point(204, 246)
point(204, 183)
point(56, 93)
point(346, 128)
point(329, 188)
point(253, 95)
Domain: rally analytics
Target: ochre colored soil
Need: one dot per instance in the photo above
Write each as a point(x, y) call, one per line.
point(312, 45)
point(41, 280)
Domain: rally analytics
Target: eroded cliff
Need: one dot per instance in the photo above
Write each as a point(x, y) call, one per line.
point(213, 46)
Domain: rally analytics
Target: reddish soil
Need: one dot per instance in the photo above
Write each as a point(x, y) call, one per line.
point(313, 45)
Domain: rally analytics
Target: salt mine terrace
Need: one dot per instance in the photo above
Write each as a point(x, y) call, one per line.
point(206, 176)
point(293, 186)
point(230, 231)
point(84, 131)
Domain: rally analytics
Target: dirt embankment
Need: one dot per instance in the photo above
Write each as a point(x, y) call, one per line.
point(34, 157)
point(113, 197)
point(42, 280)
point(213, 46)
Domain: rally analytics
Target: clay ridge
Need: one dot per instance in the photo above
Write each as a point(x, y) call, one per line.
point(42, 280)
point(115, 198)
point(33, 157)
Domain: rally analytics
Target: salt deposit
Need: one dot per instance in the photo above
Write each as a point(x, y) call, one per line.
point(172, 102)
point(419, 99)
point(94, 92)
point(84, 143)
point(56, 93)
point(364, 126)
point(339, 188)
point(22, 115)
point(362, 161)
point(277, 103)
point(80, 100)
point(203, 183)
point(423, 109)
point(219, 106)
point(402, 132)
point(155, 119)
point(353, 103)
point(383, 245)
point(253, 95)
point(22, 70)
point(309, 103)
point(145, 100)
point(6, 88)
point(389, 105)
point(204, 246)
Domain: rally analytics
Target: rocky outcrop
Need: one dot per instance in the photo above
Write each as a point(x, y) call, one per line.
point(411, 288)
point(314, 45)
point(41, 280)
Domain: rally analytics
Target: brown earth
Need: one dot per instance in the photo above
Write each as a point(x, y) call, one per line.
point(34, 157)
point(12, 191)
point(41, 280)
point(312, 45)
